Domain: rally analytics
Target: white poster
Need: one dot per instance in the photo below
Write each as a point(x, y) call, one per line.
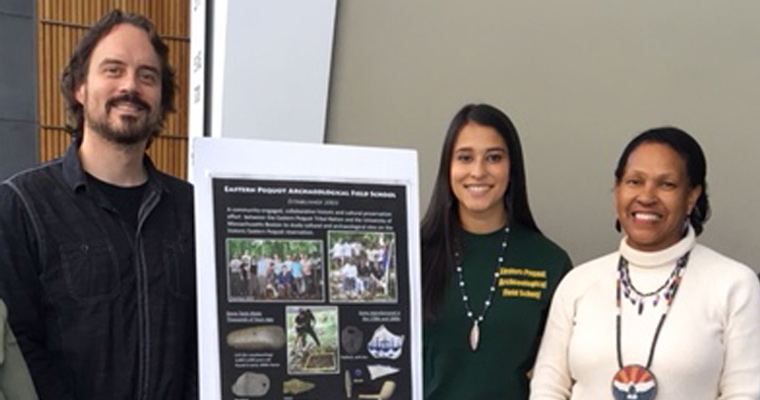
point(308, 271)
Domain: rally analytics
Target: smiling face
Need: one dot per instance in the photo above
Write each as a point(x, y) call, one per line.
point(479, 176)
point(654, 196)
point(121, 93)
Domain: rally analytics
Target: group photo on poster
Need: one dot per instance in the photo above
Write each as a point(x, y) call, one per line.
point(273, 269)
point(362, 266)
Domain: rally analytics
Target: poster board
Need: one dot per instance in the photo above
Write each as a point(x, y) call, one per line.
point(308, 271)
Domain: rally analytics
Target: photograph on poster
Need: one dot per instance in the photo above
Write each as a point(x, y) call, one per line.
point(312, 339)
point(274, 269)
point(362, 266)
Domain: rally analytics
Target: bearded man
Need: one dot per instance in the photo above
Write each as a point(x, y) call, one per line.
point(96, 248)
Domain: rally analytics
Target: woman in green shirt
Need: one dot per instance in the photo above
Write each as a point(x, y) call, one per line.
point(488, 273)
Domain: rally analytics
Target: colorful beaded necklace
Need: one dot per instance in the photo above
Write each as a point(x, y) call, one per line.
point(634, 381)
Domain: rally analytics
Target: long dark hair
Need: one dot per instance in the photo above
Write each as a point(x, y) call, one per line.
point(696, 166)
point(441, 224)
point(75, 72)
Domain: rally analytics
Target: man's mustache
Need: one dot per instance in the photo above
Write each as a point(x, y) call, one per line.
point(129, 98)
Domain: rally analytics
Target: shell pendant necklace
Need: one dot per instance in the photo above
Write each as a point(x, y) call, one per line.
point(477, 319)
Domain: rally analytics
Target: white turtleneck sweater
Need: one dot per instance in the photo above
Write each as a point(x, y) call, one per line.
point(709, 346)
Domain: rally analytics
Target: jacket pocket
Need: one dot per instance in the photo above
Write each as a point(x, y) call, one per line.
point(90, 271)
point(179, 265)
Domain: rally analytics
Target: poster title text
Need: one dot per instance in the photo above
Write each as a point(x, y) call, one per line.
point(264, 190)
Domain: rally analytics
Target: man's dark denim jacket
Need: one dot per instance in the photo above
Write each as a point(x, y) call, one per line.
point(100, 312)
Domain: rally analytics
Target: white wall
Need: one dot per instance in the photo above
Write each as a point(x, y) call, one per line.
point(271, 68)
point(579, 79)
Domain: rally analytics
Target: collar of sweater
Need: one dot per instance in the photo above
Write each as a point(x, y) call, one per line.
point(654, 259)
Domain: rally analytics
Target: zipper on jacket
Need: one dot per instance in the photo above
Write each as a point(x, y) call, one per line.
point(143, 303)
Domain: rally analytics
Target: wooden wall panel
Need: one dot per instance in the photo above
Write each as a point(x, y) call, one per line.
point(62, 23)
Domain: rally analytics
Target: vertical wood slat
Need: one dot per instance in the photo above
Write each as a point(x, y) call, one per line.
point(55, 44)
point(41, 77)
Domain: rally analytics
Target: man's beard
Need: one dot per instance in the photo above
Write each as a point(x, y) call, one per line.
point(133, 129)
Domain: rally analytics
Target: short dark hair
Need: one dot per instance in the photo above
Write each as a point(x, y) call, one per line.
point(75, 72)
point(441, 224)
point(694, 159)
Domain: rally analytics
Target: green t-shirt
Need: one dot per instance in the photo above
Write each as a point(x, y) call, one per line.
point(510, 332)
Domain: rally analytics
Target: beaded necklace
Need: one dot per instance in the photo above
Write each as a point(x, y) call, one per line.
point(634, 381)
point(477, 319)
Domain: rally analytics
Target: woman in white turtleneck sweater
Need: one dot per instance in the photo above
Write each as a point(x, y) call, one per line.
point(708, 344)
